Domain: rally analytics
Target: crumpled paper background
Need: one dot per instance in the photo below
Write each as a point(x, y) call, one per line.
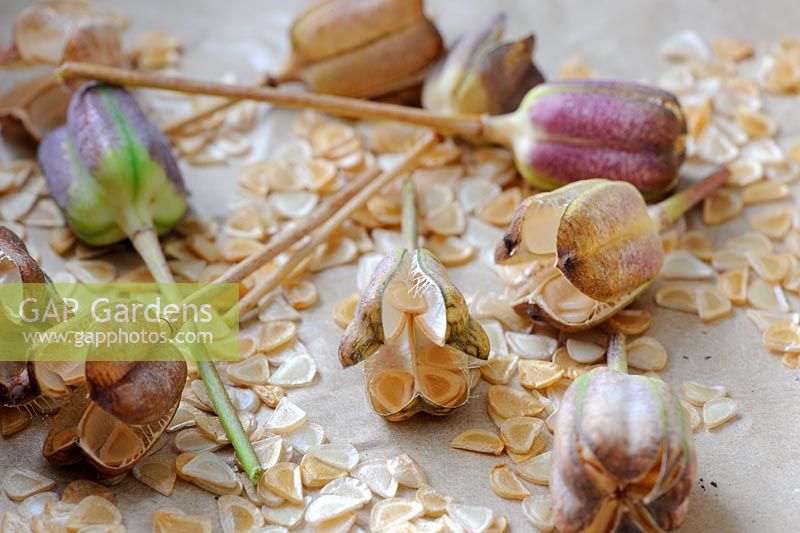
point(752, 460)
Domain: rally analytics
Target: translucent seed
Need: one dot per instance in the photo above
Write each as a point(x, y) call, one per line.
point(305, 438)
point(270, 451)
point(170, 520)
point(13, 420)
point(92, 511)
point(724, 260)
point(721, 207)
point(329, 506)
point(237, 515)
point(331, 254)
point(535, 374)
point(536, 469)
point(767, 297)
point(287, 515)
point(433, 502)
point(342, 456)
point(406, 471)
point(744, 172)
point(733, 284)
point(518, 433)
point(774, 223)
point(252, 371)
point(392, 512)
point(506, 484)
point(376, 475)
point(712, 303)
point(20, 483)
point(157, 472)
point(472, 192)
point(531, 346)
point(764, 191)
point(782, 337)
point(500, 210)
point(271, 395)
point(695, 421)
point(700, 393)
point(478, 440)
point(296, 371)
point(683, 265)
point(500, 370)
point(401, 297)
point(211, 473)
point(349, 486)
point(646, 353)
point(92, 271)
point(508, 402)
point(450, 250)
point(196, 441)
point(765, 151)
point(471, 517)
point(284, 480)
point(718, 411)
point(630, 322)
point(771, 267)
point(447, 220)
point(537, 509)
point(301, 294)
point(583, 351)
point(677, 297)
point(696, 243)
point(344, 310)
point(286, 418)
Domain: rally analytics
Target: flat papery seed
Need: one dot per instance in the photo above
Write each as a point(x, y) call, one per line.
point(344, 310)
point(767, 297)
point(508, 402)
point(433, 197)
point(238, 515)
point(646, 353)
point(538, 510)
point(506, 484)
point(284, 480)
point(176, 521)
point(301, 294)
point(270, 451)
point(315, 473)
point(77, 490)
point(733, 284)
point(531, 346)
point(472, 192)
point(685, 45)
point(584, 352)
point(791, 360)
point(272, 335)
point(194, 440)
point(293, 205)
point(19, 483)
point(725, 260)
point(307, 437)
point(350, 487)
point(32, 506)
point(471, 517)
point(447, 220)
point(765, 319)
point(327, 136)
point(93, 511)
point(752, 241)
point(695, 420)
point(271, 395)
point(478, 440)
point(500, 370)
point(297, 371)
point(13, 420)
point(755, 123)
point(535, 374)
point(536, 469)
point(212, 428)
point(329, 506)
point(157, 472)
point(764, 191)
point(286, 418)
point(518, 433)
point(712, 303)
point(392, 512)
point(721, 207)
point(568, 303)
point(500, 210)
point(376, 475)
point(433, 502)
point(744, 172)
point(342, 456)
point(782, 337)
point(252, 371)
point(450, 250)
point(332, 254)
point(630, 322)
point(718, 411)
point(773, 223)
point(288, 515)
point(714, 145)
point(771, 267)
point(696, 243)
point(210, 472)
point(61, 240)
point(497, 340)
point(683, 265)
point(677, 298)
point(699, 393)
point(406, 471)
point(92, 271)
point(764, 151)
point(403, 299)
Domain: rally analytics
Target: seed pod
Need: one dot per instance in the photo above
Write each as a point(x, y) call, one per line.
point(481, 74)
point(622, 455)
point(110, 169)
point(575, 130)
point(360, 49)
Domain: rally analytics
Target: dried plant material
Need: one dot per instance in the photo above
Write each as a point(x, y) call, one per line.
point(329, 507)
point(712, 303)
point(695, 421)
point(518, 433)
point(722, 206)
point(683, 265)
point(583, 351)
point(767, 297)
point(286, 418)
point(505, 483)
point(771, 267)
point(61, 240)
point(284, 480)
point(196, 441)
point(536, 469)
point(297, 371)
point(19, 483)
point(500, 210)
point(677, 298)
point(478, 440)
point(535, 374)
point(344, 311)
point(755, 123)
point(473, 192)
point(287, 515)
point(698, 393)
point(744, 172)
point(387, 514)
point(275, 307)
point(333, 254)
point(508, 402)
point(236, 249)
point(350, 487)
point(376, 475)
point(271, 395)
point(696, 243)
point(499, 370)
point(684, 46)
point(157, 472)
point(751, 241)
point(204, 248)
point(238, 515)
point(764, 191)
point(447, 220)
point(575, 69)
point(774, 223)
point(13, 420)
point(765, 151)
point(252, 371)
point(301, 294)
point(171, 520)
point(44, 214)
point(156, 50)
point(732, 49)
point(726, 260)
point(293, 205)
point(450, 250)
point(92, 271)
point(782, 337)
point(471, 517)
point(538, 510)
point(406, 471)
point(714, 146)
point(531, 346)
point(342, 456)
point(93, 511)
point(630, 322)
point(276, 334)
point(646, 353)
point(718, 411)
point(434, 503)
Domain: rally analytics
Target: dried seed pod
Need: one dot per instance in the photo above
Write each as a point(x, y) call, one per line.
point(601, 478)
point(481, 74)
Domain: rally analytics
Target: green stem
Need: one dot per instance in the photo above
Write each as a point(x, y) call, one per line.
point(671, 209)
point(410, 221)
point(616, 356)
point(146, 243)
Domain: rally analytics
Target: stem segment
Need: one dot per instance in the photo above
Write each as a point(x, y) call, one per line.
point(409, 221)
point(616, 356)
point(668, 211)
point(461, 124)
point(146, 243)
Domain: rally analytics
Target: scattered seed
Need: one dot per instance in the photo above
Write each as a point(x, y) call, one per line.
point(471, 517)
point(478, 440)
point(499, 370)
point(93, 511)
point(518, 433)
point(287, 515)
point(378, 478)
point(531, 346)
point(771, 267)
point(764, 191)
point(535, 374)
point(536, 469)
point(684, 265)
point(286, 418)
point(767, 297)
point(392, 512)
point(537, 509)
point(764, 319)
point(677, 297)
point(506, 484)
point(508, 402)
point(733, 284)
point(646, 353)
point(782, 337)
point(19, 483)
point(718, 411)
point(698, 393)
point(344, 310)
point(722, 206)
point(158, 473)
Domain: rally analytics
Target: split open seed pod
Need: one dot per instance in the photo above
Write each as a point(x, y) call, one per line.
point(361, 49)
point(117, 416)
point(592, 248)
point(623, 456)
point(413, 330)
